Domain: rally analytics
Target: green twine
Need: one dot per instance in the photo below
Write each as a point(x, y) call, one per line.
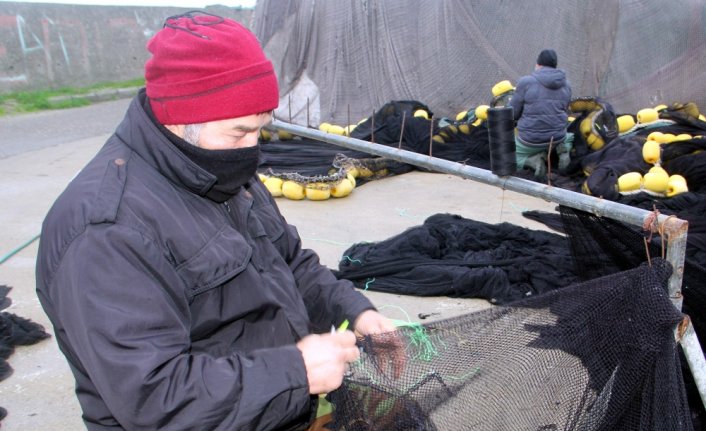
point(419, 339)
point(348, 258)
point(367, 283)
point(402, 212)
point(418, 336)
point(18, 249)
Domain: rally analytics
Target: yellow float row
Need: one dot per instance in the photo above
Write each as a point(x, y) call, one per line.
point(651, 149)
point(336, 129)
point(593, 139)
point(319, 191)
point(657, 180)
point(644, 116)
point(283, 135)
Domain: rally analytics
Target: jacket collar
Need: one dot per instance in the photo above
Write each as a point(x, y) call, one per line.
point(139, 133)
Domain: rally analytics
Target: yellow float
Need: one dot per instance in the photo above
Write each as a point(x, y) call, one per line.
point(625, 123)
point(651, 152)
point(265, 135)
point(343, 188)
point(656, 136)
point(293, 190)
point(284, 135)
point(647, 115)
point(502, 87)
point(630, 182)
point(317, 191)
point(336, 129)
point(675, 187)
point(274, 186)
point(655, 181)
point(421, 113)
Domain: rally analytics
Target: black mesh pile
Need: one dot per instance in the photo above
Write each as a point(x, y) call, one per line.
point(602, 246)
point(14, 331)
point(454, 256)
point(599, 355)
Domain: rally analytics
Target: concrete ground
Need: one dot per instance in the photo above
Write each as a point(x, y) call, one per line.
point(40, 153)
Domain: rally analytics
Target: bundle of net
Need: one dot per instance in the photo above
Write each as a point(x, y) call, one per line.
point(598, 355)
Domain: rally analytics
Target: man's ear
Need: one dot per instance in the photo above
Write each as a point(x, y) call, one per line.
point(177, 129)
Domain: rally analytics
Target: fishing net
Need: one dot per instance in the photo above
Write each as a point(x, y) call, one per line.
point(599, 355)
point(454, 256)
point(450, 255)
point(14, 331)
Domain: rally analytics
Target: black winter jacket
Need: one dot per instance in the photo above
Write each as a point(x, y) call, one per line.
point(540, 103)
point(174, 311)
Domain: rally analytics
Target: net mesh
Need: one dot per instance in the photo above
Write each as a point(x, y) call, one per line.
point(344, 60)
point(598, 355)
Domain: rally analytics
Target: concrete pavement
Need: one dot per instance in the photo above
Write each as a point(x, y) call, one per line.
point(39, 395)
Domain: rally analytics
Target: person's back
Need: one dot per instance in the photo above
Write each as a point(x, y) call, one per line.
point(540, 103)
point(543, 116)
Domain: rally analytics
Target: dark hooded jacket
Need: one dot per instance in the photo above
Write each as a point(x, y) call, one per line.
point(174, 311)
point(540, 103)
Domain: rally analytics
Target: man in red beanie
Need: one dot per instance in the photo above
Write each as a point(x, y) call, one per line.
point(179, 294)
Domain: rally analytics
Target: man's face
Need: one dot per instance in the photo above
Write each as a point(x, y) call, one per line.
point(229, 134)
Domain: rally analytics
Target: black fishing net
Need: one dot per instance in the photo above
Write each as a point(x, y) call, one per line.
point(450, 255)
point(14, 331)
point(598, 355)
point(453, 256)
point(602, 246)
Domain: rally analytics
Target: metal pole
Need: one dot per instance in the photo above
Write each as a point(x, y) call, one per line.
point(674, 228)
point(600, 207)
point(694, 357)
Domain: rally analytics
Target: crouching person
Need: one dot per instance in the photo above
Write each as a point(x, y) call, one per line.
point(540, 105)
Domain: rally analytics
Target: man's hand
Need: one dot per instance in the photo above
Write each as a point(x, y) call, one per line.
point(389, 348)
point(326, 357)
point(371, 322)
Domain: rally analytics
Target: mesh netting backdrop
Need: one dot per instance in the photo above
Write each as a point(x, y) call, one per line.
point(343, 60)
point(600, 355)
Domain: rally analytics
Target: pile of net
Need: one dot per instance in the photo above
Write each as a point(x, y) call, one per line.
point(598, 355)
point(454, 256)
point(14, 331)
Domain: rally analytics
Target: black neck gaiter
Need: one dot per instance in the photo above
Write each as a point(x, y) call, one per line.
point(232, 168)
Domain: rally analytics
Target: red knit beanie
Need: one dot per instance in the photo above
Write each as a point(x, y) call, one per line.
point(207, 68)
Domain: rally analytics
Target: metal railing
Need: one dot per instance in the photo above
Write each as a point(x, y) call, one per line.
point(673, 229)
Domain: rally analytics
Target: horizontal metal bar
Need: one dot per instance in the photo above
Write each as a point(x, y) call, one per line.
point(600, 207)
